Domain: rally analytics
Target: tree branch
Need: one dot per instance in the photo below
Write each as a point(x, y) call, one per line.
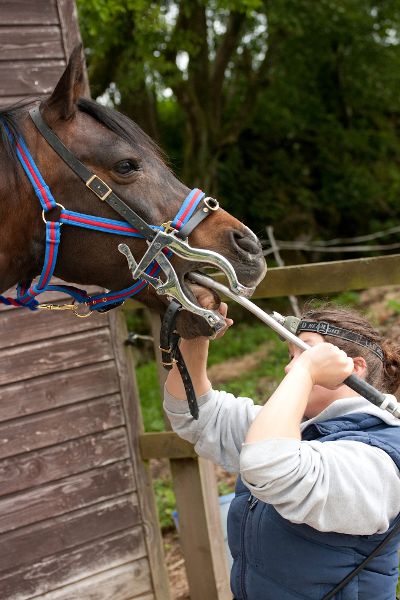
point(224, 53)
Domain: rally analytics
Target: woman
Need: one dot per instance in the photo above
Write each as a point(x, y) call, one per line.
point(319, 485)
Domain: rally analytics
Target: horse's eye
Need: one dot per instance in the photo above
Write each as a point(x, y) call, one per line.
point(125, 167)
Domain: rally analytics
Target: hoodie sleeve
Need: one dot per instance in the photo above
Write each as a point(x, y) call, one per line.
point(220, 431)
point(343, 486)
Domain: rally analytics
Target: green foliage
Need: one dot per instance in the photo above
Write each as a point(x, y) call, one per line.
point(150, 396)
point(301, 132)
point(166, 502)
point(394, 305)
point(321, 154)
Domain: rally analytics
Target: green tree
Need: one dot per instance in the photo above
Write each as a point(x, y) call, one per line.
point(288, 109)
point(212, 55)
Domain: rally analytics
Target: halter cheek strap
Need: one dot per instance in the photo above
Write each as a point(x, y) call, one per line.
point(27, 293)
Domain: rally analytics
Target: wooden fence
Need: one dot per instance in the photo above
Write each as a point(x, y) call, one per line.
point(193, 478)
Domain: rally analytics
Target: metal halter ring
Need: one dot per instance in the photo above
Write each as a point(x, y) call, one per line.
point(57, 204)
point(211, 203)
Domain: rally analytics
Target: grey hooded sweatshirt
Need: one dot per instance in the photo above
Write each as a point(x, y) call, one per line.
point(343, 486)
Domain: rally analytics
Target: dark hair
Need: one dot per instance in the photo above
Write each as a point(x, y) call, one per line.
point(384, 375)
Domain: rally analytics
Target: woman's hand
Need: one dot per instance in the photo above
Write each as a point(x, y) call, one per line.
point(327, 365)
point(195, 352)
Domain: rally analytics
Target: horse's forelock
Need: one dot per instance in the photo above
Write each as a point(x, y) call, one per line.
point(121, 125)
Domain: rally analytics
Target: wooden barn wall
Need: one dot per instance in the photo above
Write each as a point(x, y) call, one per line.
point(76, 518)
point(36, 37)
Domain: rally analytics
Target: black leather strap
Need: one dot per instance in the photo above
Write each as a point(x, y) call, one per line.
point(92, 181)
point(168, 338)
point(171, 354)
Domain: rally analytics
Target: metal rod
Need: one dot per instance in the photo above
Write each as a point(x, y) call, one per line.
point(384, 401)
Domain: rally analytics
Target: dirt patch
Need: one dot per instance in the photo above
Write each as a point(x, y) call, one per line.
point(175, 566)
point(236, 367)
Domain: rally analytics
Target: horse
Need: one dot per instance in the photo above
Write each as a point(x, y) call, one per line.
point(123, 158)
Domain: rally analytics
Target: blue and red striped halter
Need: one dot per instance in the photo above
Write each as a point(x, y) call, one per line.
point(27, 291)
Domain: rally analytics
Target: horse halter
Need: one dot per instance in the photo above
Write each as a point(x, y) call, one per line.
point(164, 241)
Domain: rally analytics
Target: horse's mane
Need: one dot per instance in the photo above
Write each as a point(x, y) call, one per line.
point(9, 125)
point(9, 132)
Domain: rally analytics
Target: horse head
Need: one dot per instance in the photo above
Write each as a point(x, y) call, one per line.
point(128, 161)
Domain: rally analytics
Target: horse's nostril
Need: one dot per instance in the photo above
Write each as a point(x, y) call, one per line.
point(247, 242)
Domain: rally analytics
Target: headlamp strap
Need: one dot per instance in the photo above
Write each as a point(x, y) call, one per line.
point(325, 328)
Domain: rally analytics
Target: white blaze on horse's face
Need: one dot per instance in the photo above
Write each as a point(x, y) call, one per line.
point(122, 155)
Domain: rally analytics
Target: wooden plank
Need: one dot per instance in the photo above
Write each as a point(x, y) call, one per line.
point(22, 42)
point(30, 77)
point(198, 496)
point(131, 406)
point(7, 101)
point(68, 567)
point(329, 277)
point(64, 496)
point(122, 583)
point(37, 468)
point(321, 278)
point(22, 327)
point(201, 537)
point(58, 389)
point(29, 545)
point(58, 355)
point(34, 12)
point(165, 444)
point(70, 33)
point(60, 425)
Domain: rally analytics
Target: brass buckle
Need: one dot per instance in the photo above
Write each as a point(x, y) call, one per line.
point(93, 189)
point(168, 227)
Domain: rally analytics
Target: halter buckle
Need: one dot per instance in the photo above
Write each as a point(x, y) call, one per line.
point(99, 187)
point(167, 227)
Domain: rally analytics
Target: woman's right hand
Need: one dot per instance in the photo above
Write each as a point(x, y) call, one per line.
point(327, 365)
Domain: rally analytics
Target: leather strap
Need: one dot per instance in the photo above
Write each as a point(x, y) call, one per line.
point(92, 181)
point(195, 220)
point(171, 354)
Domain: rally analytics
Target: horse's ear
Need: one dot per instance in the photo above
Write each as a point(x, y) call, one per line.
point(62, 102)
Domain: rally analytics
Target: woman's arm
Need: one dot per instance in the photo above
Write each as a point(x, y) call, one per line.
point(223, 421)
point(324, 365)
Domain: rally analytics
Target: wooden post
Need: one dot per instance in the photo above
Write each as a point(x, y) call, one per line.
point(200, 529)
point(134, 424)
point(280, 263)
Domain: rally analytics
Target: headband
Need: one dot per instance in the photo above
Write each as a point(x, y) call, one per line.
point(296, 326)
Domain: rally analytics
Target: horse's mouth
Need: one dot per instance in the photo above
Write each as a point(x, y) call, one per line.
point(200, 295)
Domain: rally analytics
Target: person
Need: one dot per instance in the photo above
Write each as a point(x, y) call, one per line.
point(319, 484)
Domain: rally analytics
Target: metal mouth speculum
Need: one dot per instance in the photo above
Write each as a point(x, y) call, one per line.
point(171, 286)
